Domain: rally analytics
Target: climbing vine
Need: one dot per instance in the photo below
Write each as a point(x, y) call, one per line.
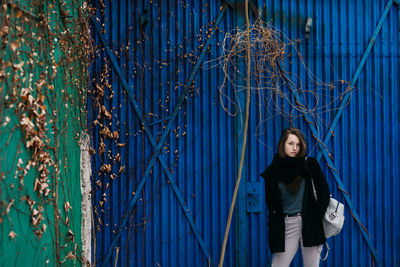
point(274, 81)
point(45, 50)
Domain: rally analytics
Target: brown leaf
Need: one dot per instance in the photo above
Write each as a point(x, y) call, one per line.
point(12, 234)
point(70, 235)
point(106, 113)
point(100, 90)
point(44, 227)
point(9, 206)
point(36, 186)
point(38, 233)
point(47, 192)
point(105, 168)
point(14, 46)
point(67, 206)
point(31, 202)
point(18, 66)
point(26, 122)
point(70, 256)
point(34, 221)
point(121, 169)
point(106, 132)
point(92, 151)
point(102, 147)
point(35, 212)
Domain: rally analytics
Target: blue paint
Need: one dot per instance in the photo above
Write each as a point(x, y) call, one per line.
point(148, 169)
point(356, 74)
point(158, 147)
point(363, 147)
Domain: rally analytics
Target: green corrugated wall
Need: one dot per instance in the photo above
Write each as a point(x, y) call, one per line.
point(44, 52)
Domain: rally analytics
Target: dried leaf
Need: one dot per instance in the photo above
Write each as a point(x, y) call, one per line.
point(102, 147)
point(106, 132)
point(34, 142)
point(105, 168)
point(70, 256)
point(92, 151)
point(36, 186)
point(14, 46)
point(18, 66)
point(12, 234)
point(34, 221)
point(70, 235)
point(9, 206)
point(26, 122)
point(106, 113)
point(44, 227)
point(31, 202)
point(35, 212)
point(67, 206)
point(6, 121)
point(47, 192)
point(38, 233)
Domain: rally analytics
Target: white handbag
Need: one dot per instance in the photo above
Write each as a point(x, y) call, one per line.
point(333, 219)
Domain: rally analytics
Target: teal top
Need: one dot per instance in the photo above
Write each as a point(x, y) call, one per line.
point(292, 203)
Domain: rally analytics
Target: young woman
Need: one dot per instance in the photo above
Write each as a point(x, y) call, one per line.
point(295, 217)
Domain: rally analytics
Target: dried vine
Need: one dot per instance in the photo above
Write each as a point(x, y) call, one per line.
point(44, 56)
point(272, 54)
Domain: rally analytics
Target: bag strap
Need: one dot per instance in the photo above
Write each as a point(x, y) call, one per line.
point(313, 186)
point(327, 251)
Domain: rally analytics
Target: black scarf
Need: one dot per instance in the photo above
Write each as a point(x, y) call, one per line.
point(288, 168)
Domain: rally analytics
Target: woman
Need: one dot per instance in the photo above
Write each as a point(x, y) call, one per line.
point(295, 217)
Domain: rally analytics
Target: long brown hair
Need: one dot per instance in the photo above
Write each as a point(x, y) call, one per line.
point(284, 137)
point(293, 186)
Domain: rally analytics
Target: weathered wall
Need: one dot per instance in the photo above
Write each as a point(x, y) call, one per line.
point(43, 66)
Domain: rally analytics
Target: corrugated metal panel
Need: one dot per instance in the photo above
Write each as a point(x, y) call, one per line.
point(43, 68)
point(160, 42)
point(366, 138)
point(156, 45)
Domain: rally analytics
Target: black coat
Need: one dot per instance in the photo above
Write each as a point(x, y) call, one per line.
point(312, 214)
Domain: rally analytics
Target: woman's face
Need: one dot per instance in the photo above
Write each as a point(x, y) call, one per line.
point(292, 145)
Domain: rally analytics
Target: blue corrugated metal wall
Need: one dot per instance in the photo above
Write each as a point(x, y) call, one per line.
point(156, 45)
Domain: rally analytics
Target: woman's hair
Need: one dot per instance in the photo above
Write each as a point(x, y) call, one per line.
point(284, 137)
point(293, 186)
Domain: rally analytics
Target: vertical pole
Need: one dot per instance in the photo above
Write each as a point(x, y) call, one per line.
point(240, 133)
point(241, 220)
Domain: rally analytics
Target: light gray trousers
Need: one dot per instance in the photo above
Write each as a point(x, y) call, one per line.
point(293, 237)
